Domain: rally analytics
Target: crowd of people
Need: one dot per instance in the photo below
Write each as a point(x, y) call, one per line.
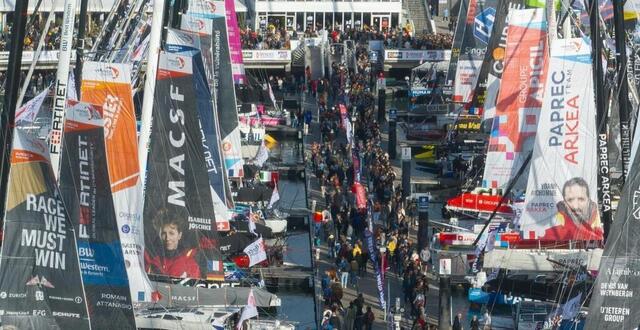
point(363, 205)
point(270, 38)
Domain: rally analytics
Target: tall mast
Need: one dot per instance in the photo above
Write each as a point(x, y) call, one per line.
point(80, 46)
point(8, 115)
point(62, 79)
point(623, 86)
point(604, 182)
point(150, 86)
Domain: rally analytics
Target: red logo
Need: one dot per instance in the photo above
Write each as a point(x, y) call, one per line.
point(180, 62)
point(212, 6)
point(200, 24)
point(226, 146)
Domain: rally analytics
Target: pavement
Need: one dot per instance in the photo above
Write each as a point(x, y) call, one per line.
point(367, 284)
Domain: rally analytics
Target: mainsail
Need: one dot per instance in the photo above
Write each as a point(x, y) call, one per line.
point(40, 283)
point(84, 184)
point(223, 82)
point(180, 230)
point(187, 44)
point(520, 98)
point(486, 92)
point(561, 202)
point(109, 86)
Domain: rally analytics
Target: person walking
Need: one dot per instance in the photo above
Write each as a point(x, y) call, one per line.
point(457, 322)
point(475, 323)
point(369, 317)
point(344, 272)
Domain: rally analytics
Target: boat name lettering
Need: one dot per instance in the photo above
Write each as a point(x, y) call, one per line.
point(531, 86)
point(110, 114)
point(176, 115)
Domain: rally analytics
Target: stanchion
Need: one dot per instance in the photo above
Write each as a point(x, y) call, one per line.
point(406, 172)
point(444, 321)
point(382, 99)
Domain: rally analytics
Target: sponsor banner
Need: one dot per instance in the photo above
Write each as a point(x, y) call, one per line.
point(468, 125)
point(478, 203)
point(399, 55)
point(486, 91)
point(561, 202)
point(520, 98)
point(210, 138)
point(463, 238)
point(235, 46)
point(223, 84)
point(479, 20)
point(374, 260)
point(109, 86)
point(457, 42)
point(85, 189)
point(180, 230)
point(182, 41)
point(257, 56)
point(46, 57)
point(29, 111)
point(38, 280)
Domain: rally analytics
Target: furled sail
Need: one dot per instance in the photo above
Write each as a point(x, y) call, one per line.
point(86, 192)
point(180, 229)
point(109, 86)
point(520, 98)
point(40, 282)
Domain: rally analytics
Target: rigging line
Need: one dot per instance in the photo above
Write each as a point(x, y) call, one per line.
point(503, 199)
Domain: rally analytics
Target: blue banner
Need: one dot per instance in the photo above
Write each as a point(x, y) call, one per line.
point(376, 266)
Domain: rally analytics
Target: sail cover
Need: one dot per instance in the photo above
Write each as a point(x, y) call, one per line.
point(481, 15)
point(223, 82)
point(109, 86)
point(84, 184)
point(561, 202)
point(181, 41)
point(520, 98)
point(486, 92)
point(40, 282)
point(614, 301)
point(180, 230)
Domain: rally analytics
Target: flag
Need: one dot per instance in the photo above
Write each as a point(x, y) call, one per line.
point(262, 155)
point(571, 307)
point(252, 224)
point(275, 197)
point(273, 97)
point(256, 252)
point(249, 311)
point(29, 111)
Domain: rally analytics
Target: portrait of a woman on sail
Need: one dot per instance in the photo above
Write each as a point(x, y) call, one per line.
point(172, 252)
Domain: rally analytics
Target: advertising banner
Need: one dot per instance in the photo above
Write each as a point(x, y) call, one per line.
point(40, 284)
point(257, 56)
point(520, 98)
point(486, 92)
point(401, 55)
point(561, 202)
point(180, 229)
point(480, 18)
point(235, 46)
point(109, 87)
point(86, 192)
point(223, 82)
point(181, 42)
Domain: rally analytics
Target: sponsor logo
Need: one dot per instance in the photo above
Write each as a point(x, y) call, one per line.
point(636, 205)
point(3, 295)
point(126, 229)
point(109, 71)
point(39, 295)
point(483, 23)
point(200, 24)
point(226, 146)
point(211, 6)
point(184, 298)
point(39, 312)
point(78, 300)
